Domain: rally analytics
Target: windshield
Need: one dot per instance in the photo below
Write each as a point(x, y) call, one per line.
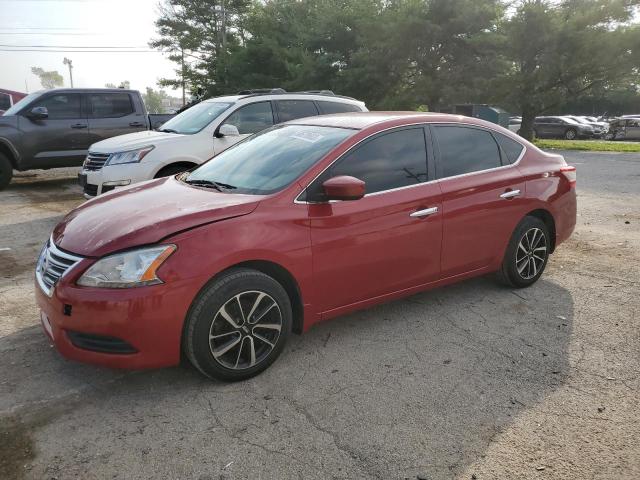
point(580, 120)
point(22, 103)
point(570, 120)
point(195, 118)
point(270, 160)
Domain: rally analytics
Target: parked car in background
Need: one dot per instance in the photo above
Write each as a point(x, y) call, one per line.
point(8, 98)
point(514, 124)
point(54, 128)
point(561, 127)
point(599, 128)
point(624, 129)
point(298, 224)
point(196, 135)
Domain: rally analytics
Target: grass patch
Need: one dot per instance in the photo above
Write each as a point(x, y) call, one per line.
point(589, 145)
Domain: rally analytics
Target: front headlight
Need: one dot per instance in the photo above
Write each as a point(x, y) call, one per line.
point(132, 156)
point(135, 268)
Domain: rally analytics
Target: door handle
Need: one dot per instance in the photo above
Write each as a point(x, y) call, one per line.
point(424, 213)
point(136, 124)
point(79, 125)
point(510, 194)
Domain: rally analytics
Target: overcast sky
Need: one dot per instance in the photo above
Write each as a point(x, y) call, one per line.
point(80, 23)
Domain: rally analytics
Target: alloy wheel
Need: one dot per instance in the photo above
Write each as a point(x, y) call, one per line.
point(245, 330)
point(531, 254)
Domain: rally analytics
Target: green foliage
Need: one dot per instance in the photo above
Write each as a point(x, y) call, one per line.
point(530, 56)
point(48, 80)
point(153, 100)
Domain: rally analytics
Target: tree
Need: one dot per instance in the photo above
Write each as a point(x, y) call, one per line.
point(153, 100)
point(557, 51)
point(51, 79)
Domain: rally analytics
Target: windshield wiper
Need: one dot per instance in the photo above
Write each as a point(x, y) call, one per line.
point(208, 183)
point(168, 130)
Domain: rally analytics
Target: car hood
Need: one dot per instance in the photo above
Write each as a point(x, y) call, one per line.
point(131, 141)
point(143, 214)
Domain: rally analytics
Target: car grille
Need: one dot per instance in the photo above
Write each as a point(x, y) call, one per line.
point(91, 190)
point(95, 161)
point(52, 265)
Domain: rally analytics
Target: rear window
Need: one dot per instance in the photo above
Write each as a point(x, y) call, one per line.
point(337, 107)
point(292, 109)
point(465, 150)
point(510, 147)
point(110, 105)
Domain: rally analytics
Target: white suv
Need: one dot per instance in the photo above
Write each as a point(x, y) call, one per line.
point(199, 133)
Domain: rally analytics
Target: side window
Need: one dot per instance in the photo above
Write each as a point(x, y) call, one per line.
point(110, 105)
point(64, 105)
point(252, 118)
point(5, 101)
point(292, 109)
point(510, 147)
point(390, 160)
point(465, 150)
point(335, 107)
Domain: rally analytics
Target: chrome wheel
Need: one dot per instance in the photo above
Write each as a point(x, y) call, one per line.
point(571, 134)
point(531, 254)
point(245, 330)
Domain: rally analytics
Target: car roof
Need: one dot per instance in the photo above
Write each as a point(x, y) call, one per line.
point(262, 97)
point(362, 120)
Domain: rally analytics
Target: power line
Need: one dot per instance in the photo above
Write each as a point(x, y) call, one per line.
point(69, 46)
point(79, 51)
point(51, 33)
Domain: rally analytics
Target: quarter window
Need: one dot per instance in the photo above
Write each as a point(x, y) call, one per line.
point(510, 147)
point(61, 106)
point(292, 109)
point(465, 150)
point(110, 105)
point(391, 160)
point(252, 118)
point(335, 107)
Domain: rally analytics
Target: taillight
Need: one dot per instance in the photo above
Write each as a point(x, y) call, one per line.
point(570, 174)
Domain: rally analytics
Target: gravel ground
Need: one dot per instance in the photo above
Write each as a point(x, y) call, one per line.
point(468, 381)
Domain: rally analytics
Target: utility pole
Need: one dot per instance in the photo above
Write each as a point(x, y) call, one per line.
point(67, 61)
point(184, 100)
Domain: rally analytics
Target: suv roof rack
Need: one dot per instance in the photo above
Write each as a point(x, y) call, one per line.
point(281, 91)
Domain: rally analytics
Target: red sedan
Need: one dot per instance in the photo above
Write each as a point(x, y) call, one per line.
point(298, 224)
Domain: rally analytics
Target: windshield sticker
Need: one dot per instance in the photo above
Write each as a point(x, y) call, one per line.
point(311, 137)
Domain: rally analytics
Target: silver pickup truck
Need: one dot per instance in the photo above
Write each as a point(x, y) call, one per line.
point(54, 128)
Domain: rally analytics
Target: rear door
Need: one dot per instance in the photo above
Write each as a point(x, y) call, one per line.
point(111, 114)
point(482, 196)
point(387, 241)
point(292, 109)
point(61, 139)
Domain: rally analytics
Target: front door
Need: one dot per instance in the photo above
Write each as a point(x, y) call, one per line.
point(62, 139)
point(482, 194)
point(248, 119)
point(387, 241)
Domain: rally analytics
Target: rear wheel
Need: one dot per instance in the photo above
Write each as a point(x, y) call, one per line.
point(527, 253)
point(6, 171)
point(571, 134)
point(238, 325)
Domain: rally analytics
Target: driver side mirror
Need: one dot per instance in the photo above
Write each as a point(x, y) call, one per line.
point(38, 113)
point(228, 130)
point(343, 187)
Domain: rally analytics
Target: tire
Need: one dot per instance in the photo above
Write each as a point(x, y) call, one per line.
point(523, 265)
point(6, 171)
point(171, 170)
point(571, 134)
point(238, 293)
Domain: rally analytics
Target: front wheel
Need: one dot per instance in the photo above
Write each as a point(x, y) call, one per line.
point(527, 253)
point(238, 325)
point(571, 134)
